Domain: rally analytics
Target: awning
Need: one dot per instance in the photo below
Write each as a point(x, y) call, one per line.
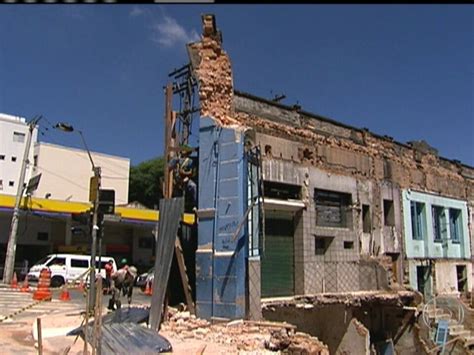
point(283, 205)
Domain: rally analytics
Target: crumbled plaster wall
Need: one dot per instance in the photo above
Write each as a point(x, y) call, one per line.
point(213, 70)
point(321, 143)
point(374, 158)
point(312, 141)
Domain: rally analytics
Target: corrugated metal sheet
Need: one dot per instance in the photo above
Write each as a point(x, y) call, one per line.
point(122, 315)
point(170, 212)
point(277, 263)
point(130, 338)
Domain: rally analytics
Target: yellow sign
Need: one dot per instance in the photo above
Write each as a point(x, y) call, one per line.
point(93, 188)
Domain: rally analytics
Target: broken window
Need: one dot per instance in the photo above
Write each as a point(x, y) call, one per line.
point(461, 277)
point(348, 245)
point(455, 224)
point(417, 220)
point(439, 225)
point(388, 213)
point(366, 222)
point(333, 208)
point(281, 191)
point(321, 244)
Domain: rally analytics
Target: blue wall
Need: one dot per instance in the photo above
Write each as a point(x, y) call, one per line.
point(220, 260)
point(427, 247)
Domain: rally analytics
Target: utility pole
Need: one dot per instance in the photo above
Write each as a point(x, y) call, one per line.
point(94, 198)
point(95, 194)
point(11, 247)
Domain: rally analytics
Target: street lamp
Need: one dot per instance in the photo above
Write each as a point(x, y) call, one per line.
point(95, 201)
point(11, 247)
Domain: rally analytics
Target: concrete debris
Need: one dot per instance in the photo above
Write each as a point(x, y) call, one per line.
point(399, 298)
point(298, 343)
point(244, 336)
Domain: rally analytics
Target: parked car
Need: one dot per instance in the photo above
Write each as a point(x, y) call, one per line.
point(144, 278)
point(66, 267)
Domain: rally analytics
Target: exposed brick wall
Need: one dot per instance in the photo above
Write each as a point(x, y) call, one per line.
point(321, 142)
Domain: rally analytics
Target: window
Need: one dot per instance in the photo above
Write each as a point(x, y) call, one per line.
point(281, 191)
point(388, 213)
point(455, 224)
point(57, 261)
point(79, 263)
point(333, 209)
point(42, 236)
point(417, 220)
point(439, 226)
point(35, 160)
point(18, 137)
point(366, 222)
point(348, 245)
point(13, 159)
point(1, 185)
point(11, 183)
point(321, 244)
point(2, 157)
point(102, 263)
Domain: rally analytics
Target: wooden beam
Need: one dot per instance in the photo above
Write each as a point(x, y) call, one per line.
point(170, 140)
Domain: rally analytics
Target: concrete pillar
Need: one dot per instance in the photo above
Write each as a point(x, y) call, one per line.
point(67, 232)
point(221, 260)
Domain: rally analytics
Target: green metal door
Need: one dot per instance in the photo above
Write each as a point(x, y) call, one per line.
point(277, 263)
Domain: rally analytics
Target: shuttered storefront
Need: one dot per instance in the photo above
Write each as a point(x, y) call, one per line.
point(277, 263)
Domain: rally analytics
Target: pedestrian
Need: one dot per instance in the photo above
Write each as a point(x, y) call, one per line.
point(109, 268)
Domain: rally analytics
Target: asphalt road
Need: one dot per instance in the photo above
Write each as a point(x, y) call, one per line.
point(78, 298)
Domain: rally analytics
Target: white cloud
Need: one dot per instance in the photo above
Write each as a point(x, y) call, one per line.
point(136, 11)
point(167, 32)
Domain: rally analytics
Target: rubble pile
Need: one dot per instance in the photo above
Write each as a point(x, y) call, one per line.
point(243, 335)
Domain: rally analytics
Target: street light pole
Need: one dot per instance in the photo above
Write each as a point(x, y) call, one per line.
point(12, 239)
point(95, 228)
point(95, 209)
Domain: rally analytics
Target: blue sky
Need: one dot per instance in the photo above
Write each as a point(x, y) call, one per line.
point(401, 70)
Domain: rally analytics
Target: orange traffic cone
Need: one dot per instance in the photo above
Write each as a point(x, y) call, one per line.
point(65, 296)
point(14, 281)
point(25, 287)
point(43, 293)
point(148, 290)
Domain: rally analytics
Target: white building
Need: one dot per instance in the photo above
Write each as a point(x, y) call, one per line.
point(66, 172)
point(13, 136)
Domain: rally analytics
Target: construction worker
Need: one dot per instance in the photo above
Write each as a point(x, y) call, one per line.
point(109, 268)
point(122, 283)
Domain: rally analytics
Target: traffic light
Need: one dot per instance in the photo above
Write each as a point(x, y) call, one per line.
point(106, 201)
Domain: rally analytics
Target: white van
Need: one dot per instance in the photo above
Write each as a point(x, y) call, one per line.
point(67, 267)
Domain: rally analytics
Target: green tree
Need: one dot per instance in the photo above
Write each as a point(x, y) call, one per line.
point(146, 182)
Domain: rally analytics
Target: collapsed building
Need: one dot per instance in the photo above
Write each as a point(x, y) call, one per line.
point(293, 204)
